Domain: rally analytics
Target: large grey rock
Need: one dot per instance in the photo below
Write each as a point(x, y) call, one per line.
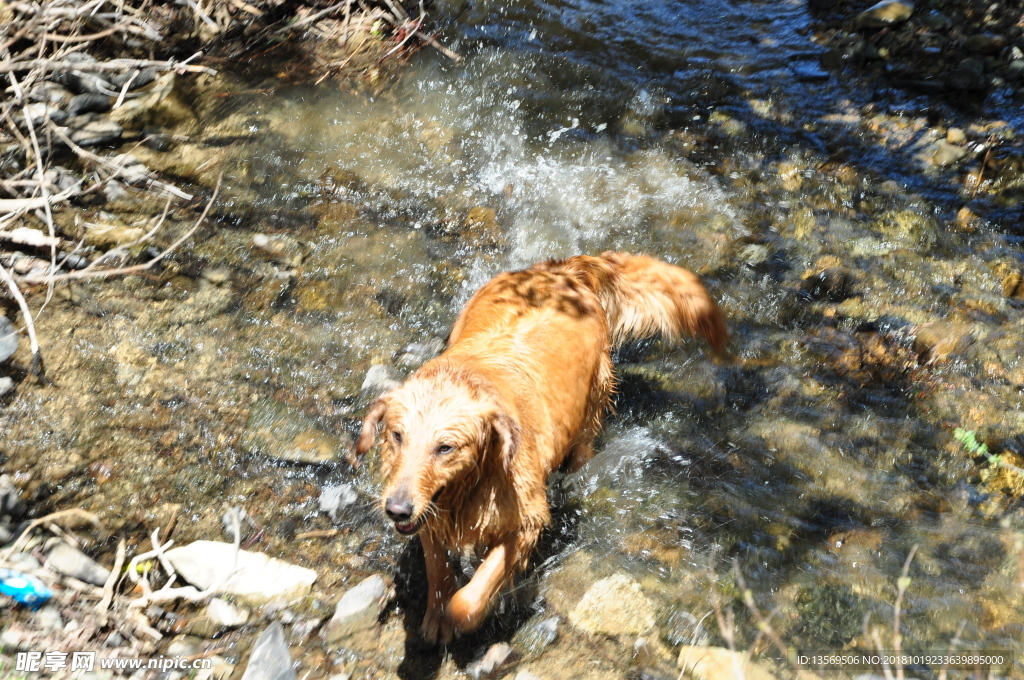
point(614, 606)
point(270, 658)
point(253, 578)
point(277, 430)
point(885, 13)
point(70, 561)
point(358, 609)
point(8, 339)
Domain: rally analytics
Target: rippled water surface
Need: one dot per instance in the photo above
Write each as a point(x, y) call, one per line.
point(810, 462)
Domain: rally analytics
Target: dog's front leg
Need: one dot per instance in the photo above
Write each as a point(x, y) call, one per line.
point(440, 588)
point(468, 607)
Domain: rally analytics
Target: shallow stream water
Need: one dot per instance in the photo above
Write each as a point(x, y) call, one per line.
point(810, 462)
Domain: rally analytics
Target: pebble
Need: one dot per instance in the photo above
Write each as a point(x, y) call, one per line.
point(270, 658)
point(8, 339)
point(955, 136)
point(947, 154)
point(277, 430)
point(50, 93)
point(497, 657)
point(969, 75)
point(939, 340)
point(884, 14)
point(614, 606)
point(48, 619)
point(281, 248)
point(358, 609)
point(255, 580)
point(95, 132)
point(70, 561)
point(1015, 71)
point(335, 498)
point(115, 191)
point(1013, 285)
point(834, 284)
point(39, 112)
point(6, 385)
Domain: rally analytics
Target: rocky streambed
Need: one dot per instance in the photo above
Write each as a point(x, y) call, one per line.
point(871, 279)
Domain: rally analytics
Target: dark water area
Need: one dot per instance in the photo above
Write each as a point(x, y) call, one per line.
point(868, 315)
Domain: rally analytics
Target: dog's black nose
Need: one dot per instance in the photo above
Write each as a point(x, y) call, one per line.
point(398, 510)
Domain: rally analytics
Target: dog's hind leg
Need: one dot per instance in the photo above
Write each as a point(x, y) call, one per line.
point(440, 588)
point(469, 606)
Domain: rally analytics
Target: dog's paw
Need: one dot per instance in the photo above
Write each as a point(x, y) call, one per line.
point(436, 627)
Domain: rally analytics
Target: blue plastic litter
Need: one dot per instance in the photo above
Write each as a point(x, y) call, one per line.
point(24, 588)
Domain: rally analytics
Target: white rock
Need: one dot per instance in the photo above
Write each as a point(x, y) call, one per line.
point(70, 561)
point(358, 609)
point(253, 578)
point(335, 498)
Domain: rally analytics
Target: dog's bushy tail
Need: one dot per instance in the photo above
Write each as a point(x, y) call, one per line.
point(643, 297)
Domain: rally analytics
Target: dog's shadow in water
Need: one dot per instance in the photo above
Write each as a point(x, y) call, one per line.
point(513, 609)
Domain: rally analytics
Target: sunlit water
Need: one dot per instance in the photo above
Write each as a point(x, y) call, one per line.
point(810, 462)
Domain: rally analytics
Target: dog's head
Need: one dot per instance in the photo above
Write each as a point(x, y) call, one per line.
point(437, 432)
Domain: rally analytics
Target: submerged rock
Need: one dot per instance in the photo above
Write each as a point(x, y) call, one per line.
point(533, 638)
point(335, 498)
point(713, 663)
point(358, 609)
point(277, 430)
point(947, 153)
point(834, 284)
point(270, 658)
point(71, 561)
point(884, 14)
point(253, 578)
point(281, 248)
point(941, 340)
point(95, 132)
point(614, 606)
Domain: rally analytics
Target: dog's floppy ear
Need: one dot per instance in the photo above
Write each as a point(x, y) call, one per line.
point(369, 433)
point(507, 431)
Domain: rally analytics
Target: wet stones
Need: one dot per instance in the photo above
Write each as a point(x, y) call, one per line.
point(614, 606)
point(280, 248)
point(885, 14)
point(276, 430)
point(89, 103)
point(94, 132)
point(253, 578)
point(947, 153)
point(941, 340)
point(358, 609)
point(495, 660)
point(1013, 287)
point(834, 284)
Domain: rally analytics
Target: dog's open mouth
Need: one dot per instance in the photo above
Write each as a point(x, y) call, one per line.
point(409, 528)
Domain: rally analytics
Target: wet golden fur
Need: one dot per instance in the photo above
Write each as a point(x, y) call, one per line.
point(471, 437)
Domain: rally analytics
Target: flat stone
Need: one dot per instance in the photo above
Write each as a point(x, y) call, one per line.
point(39, 112)
point(8, 339)
point(358, 609)
point(96, 132)
point(70, 561)
point(885, 13)
point(50, 93)
point(277, 430)
point(614, 606)
point(255, 579)
point(947, 154)
point(270, 658)
point(955, 136)
point(89, 103)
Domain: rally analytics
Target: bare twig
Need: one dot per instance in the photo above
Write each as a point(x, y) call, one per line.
point(121, 271)
point(115, 573)
point(52, 517)
point(112, 65)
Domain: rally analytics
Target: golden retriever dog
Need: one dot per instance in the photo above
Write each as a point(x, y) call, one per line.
point(470, 439)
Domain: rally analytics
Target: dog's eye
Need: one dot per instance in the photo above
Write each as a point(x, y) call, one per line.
point(397, 436)
point(444, 448)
